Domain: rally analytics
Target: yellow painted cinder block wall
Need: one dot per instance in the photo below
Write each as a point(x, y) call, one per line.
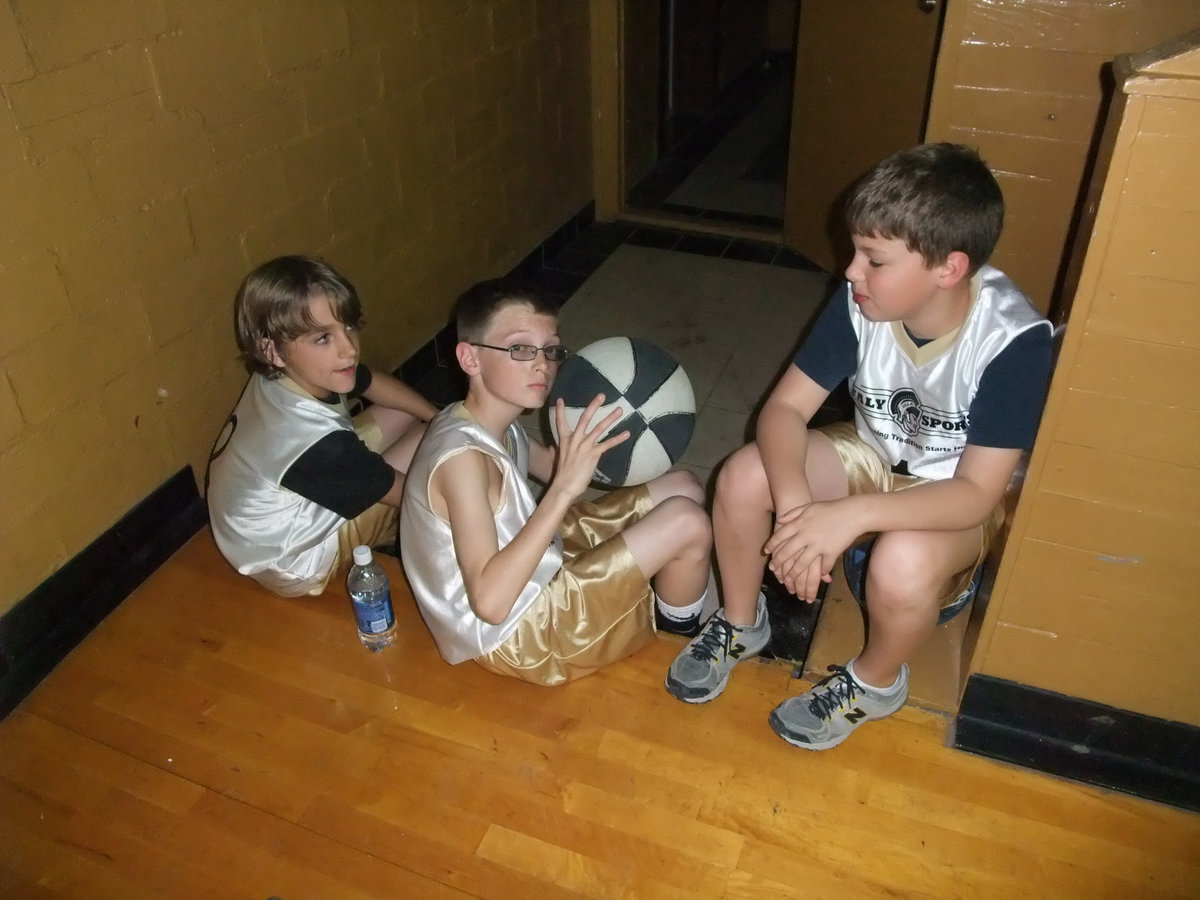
point(152, 151)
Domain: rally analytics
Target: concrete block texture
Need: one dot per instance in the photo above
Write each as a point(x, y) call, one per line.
point(152, 151)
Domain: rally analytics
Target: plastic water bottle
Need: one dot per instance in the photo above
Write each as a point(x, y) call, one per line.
point(372, 599)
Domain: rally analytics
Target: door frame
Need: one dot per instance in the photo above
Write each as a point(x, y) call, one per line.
point(607, 30)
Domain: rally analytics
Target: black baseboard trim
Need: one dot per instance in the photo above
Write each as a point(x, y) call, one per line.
point(37, 633)
point(1081, 740)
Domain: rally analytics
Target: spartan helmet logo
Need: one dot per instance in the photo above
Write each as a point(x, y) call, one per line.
point(905, 410)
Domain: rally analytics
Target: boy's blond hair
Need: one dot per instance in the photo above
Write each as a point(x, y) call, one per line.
point(272, 305)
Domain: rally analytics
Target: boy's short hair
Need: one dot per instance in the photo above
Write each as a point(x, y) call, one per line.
point(478, 305)
point(937, 198)
point(272, 304)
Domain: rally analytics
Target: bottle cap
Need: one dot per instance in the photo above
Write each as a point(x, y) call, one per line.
point(362, 555)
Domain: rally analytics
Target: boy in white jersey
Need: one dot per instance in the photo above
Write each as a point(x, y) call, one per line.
point(294, 484)
point(948, 365)
point(550, 590)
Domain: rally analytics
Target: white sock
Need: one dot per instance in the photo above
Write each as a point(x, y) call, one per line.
point(895, 686)
point(680, 613)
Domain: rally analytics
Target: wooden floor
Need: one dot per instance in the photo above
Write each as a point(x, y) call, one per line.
point(210, 740)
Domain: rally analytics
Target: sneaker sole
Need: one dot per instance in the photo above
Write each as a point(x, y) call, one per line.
point(678, 693)
point(780, 729)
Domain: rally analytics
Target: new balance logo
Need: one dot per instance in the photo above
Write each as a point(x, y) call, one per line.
point(854, 715)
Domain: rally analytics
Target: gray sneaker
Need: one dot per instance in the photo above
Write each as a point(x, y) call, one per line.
point(701, 670)
point(824, 716)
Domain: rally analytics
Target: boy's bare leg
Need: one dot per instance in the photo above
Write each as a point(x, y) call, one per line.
point(908, 574)
point(673, 542)
point(743, 513)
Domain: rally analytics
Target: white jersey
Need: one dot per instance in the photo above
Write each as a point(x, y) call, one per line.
point(281, 539)
point(427, 548)
point(911, 403)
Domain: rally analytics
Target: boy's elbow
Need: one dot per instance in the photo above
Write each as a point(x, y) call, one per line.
point(488, 612)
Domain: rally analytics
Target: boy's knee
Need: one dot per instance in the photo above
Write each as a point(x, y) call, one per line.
point(687, 521)
point(742, 475)
point(677, 483)
point(903, 572)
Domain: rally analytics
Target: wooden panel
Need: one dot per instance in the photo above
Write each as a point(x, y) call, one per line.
point(1022, 154)
point(1135, 370)
point(1170, 116)
point(1035, 274)
point(1135, 484)
point(1157, 243)
point(1110, 532)
point(1163, 172)
point(1135, 427)
point(1035, 71)
point(1097, 598)
point(1018, 112)
point(1078, 25)
point(1146, 309)
point(1092, 671)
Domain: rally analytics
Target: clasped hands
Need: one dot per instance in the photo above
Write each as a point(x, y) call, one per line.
point(806, 544)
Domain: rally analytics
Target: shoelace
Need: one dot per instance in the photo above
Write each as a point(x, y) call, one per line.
point(717, 636)
point(832, 692)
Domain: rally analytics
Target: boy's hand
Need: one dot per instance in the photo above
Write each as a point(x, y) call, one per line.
point(806, 544)
point(580, 450)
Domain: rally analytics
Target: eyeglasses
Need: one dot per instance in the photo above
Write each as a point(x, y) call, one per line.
point(525, 352)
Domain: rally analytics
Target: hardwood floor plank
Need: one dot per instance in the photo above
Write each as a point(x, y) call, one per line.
point(211, 740)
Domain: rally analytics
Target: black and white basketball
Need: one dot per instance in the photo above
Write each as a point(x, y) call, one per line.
point(652, 389)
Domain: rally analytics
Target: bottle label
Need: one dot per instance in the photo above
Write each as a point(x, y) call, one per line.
point(373, 611)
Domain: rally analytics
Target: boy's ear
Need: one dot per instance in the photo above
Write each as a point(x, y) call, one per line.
point(953, 269)
point(270, 352)
point(468, 358)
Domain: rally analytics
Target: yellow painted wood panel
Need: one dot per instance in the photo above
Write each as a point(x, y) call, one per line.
point(1146, 309)
point(1078, 25)
point(1156, 242)
point(1135, 427)
point(1025, 233)
point(1121, 603)
point(1130, 483)
point(1163, 172)
point(1092, 671)
point(1169, 115)
point(1061, 117)
point(1137, 370)
point(1034, 273)
point(1113, 533)
point(1033, 70)
point(1023, 154)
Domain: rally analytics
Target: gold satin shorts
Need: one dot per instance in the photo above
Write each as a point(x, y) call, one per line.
point(867, 472)
point(597, 609)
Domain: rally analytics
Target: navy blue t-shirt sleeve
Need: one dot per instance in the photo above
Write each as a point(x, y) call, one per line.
point(1012, 391)
point(829, 354)
point(341, 473)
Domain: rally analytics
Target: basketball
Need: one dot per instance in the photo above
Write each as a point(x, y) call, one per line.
point(653, 390)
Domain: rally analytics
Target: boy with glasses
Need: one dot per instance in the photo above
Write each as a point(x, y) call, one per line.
point(550, 590)
point(948, 364)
